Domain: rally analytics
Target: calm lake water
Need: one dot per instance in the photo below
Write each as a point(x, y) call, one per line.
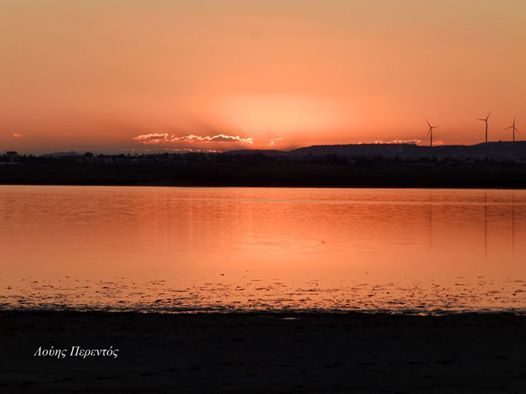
point(191, 249)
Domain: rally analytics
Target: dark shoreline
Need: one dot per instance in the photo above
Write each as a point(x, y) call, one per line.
point(427, 187)
point(263, 171)
point(265, 352)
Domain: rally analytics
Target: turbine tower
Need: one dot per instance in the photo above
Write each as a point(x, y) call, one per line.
point(485, 120)
point(513, 128)
point(430, 133)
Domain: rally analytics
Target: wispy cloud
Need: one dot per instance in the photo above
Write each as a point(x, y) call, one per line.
point(190, 150)
point(17, 135)
point(165, 138)
point(398, 142)
point(274, 141)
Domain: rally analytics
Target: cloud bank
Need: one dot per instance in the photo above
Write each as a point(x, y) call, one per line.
point(165, 138)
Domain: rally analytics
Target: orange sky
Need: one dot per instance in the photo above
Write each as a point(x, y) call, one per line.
point(223, 74)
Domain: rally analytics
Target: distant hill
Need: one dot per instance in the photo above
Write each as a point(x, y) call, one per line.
point(269, 152)
point(492, 150)
point(384, 150)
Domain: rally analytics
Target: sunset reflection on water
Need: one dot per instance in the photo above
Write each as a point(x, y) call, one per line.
point(189, 249)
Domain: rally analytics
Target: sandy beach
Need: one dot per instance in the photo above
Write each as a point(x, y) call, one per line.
point(264, 353)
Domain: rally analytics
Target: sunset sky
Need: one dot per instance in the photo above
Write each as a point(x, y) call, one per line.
point(139, 75)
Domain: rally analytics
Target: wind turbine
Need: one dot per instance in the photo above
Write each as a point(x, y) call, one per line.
point(486, 121)
point(430, 132)
point(513, 128)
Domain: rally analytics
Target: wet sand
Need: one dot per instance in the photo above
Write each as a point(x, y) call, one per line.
point(264, 353)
